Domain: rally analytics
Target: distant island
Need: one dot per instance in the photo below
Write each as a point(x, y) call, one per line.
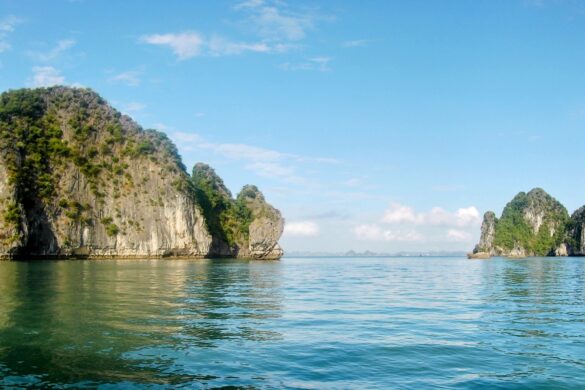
point(532, 224)
point(368, 253)
point(79, 179)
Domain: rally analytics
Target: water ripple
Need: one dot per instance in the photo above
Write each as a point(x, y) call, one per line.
point(298, 323)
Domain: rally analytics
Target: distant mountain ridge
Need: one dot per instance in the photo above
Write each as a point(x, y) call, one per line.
point(79, 179)
point(532, 224)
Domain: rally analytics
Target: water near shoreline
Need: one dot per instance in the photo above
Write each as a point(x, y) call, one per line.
point(297, 323)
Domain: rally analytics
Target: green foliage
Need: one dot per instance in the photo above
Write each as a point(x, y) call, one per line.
point(12, 215)
point(112, 229)
point(226, 219)
point(31, 140)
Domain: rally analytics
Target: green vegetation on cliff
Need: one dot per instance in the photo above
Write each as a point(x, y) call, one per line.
point(78, 177)
point(45, 131)
point(533, 221)
point(226, 218)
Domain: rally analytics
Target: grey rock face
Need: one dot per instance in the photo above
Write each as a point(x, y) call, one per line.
point(110, 198)
point(266, 227)
point(488, 232)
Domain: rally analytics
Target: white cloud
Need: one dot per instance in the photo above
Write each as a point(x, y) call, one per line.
point(184, 45)
point(60, 48)
point(398, 213)
point(301, 228)
point(401, 214)
point(219, 46)
point(354, 43)
point(7, 26)
point(187, 45)
point(458, 235)
point(373, 232)
point(276, 26)
point(467, 216)
point(45, 76)
point(130, 78)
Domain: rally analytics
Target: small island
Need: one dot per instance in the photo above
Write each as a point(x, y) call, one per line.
point(532, 224)
point(78, 179)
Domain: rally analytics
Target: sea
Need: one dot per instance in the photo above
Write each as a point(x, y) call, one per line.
point(297, 323)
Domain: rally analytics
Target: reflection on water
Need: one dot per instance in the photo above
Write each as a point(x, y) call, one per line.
point(106, 321)
point(297, 323)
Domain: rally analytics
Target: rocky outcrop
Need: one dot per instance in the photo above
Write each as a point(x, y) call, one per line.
point(79, 179)
point(532, 224)
point(266, 225)
point(245, 227)
point(576, 233)
point(488, 233)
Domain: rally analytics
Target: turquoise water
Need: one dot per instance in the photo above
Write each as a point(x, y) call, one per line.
point(297, 323)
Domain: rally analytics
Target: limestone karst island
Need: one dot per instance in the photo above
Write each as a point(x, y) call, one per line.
point(532, 224)
point(79, 179)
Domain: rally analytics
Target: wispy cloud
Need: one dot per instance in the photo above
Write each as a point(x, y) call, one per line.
point(219, 46)
point(52, 54)
point(130, 78)
point(320, 64)
point(373, 232)
point(355, 43)
point(184, 45)
point(402, 223)
point(263, 162)
point(275, 21)
point(301, 229)
point(458, 235)
point(401, 214)
point(191, 44)
point(45, 76)
point(276, 28)
point(7, 26)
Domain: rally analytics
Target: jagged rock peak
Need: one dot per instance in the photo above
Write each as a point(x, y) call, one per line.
point(205, 174)
point(244, 227)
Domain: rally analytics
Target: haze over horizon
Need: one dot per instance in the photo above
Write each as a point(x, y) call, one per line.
point(383, 126)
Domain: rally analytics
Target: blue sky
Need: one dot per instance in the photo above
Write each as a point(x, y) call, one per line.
point(382, 125)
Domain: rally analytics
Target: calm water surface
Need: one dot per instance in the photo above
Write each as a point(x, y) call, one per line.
point(298, 323)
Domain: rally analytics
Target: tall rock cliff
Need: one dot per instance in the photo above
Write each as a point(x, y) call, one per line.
point(77, 178)
point(488, 233)
point(246, 226)
point(532, 224)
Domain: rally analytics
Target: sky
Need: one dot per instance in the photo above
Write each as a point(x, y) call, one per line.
point(372, 125)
